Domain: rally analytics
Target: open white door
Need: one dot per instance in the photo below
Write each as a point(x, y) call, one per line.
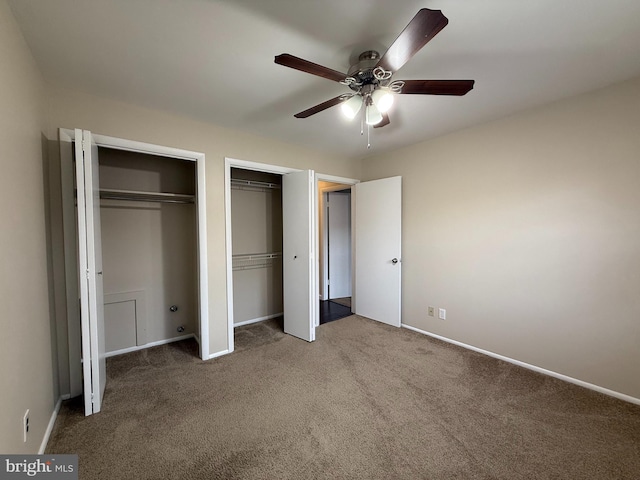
point(298, 247)
point(378, 225)
point(90, 268)
point(338, 226)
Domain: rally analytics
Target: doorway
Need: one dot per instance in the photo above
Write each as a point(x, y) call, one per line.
point(335, 251)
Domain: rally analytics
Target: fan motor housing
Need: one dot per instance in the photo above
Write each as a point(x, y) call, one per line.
point(362, 71)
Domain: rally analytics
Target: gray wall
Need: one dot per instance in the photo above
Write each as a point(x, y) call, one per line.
point(527, 230)
point(28, 371)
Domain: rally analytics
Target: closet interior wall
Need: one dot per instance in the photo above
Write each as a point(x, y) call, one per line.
point(256, 232)
point(149, 249)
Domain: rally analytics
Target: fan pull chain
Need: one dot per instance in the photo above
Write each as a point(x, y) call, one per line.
point(368, 136)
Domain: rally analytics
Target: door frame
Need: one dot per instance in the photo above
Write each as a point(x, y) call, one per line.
point(324, 233)
point(345, 183)
point(105, 141)
point(230, 163)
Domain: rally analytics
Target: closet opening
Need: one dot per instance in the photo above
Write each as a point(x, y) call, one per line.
point(143, 206)
point(149, 250)
point(256, 252)
point(334, 251)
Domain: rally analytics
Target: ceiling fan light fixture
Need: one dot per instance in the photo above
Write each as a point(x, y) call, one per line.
point(373, 115)
point(382, 99)
point(351, 107)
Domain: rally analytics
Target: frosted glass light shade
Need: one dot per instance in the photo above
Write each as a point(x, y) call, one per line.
point(351, 107)
point(374, 116)
point(383, 99)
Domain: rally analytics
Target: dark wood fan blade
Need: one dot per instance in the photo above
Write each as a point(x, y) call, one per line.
point(322, 106)
point(420, 30)
point(309, 67)
point(437, 87)
point(385, 121)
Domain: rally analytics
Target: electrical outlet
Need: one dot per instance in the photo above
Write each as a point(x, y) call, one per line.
point(431, 311)
point(25, 425)
point(442, 314)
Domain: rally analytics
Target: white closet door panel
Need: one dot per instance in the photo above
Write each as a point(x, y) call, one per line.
point(83, 268)
point(90, 271)
point(298, 244)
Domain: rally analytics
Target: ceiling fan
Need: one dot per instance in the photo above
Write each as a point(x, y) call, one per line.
point(370, 79)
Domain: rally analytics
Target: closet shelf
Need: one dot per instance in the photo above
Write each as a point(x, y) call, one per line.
point(239, 184)
point(132, 195)
point(255, 260)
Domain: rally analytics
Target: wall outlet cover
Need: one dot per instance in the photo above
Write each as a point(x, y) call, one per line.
point(431, 311)
point(25, 425)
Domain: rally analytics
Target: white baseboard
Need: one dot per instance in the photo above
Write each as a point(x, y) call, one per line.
point(52, 422)
point(218, 354)
point(148, 345)
point(256, 320)
point(560, 376)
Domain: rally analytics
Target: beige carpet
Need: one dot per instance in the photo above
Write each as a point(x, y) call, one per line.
point(364, 401)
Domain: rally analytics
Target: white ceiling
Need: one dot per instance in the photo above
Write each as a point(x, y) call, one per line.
point(213, 59)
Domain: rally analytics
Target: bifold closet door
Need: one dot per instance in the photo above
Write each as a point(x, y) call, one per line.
point(298, 247)
point(90, 271)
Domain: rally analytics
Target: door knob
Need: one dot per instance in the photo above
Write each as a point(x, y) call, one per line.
point(394, 260)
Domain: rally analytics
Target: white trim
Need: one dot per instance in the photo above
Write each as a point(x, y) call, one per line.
point(324, 232)
point(228, 252)
point(256, 320)
point(332, 178)
point(52, 422)
point(560, 376)
point(148, 345)
point(201, 202)
point(218, 354)
point(258, 167)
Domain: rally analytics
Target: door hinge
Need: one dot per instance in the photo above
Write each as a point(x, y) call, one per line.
point(87, 274)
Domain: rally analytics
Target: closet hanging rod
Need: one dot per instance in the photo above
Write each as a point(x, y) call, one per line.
point(133, 195)
point(240, 183)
